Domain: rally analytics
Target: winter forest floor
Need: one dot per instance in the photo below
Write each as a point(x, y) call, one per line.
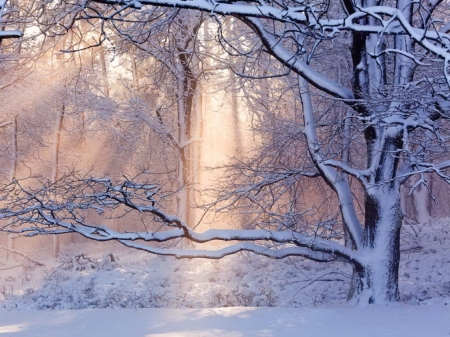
point(130, 293)
point(395, 321)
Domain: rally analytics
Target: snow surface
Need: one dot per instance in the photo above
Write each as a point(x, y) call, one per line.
point(140, 294)
point(396, 320)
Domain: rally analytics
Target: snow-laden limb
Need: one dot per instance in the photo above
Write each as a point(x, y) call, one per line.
point(292, 61)
point(277, 253)
point(358, 174)
point(294, 14)
point(53, 209)
point(329, 173)
point(9, 34)
point(301, 18)
point(303, 14)
point(2, 8)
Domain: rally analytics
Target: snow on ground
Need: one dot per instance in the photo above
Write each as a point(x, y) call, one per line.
point(396, 320)
point(140, 280)
point(306, 298)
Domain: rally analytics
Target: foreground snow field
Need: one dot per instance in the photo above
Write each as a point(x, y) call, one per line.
point(395, 320)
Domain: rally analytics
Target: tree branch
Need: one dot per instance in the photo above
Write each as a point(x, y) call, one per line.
point(47, 216)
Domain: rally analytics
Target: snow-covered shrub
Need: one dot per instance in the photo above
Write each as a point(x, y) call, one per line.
point(80, 262)
point(146, 281)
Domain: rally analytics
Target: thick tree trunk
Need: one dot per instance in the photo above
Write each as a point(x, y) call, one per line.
point(375, 280)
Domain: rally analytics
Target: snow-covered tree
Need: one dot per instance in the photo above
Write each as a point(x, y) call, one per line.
point(396, 96)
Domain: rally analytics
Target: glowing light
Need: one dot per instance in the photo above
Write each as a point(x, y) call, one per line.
point(12, 328)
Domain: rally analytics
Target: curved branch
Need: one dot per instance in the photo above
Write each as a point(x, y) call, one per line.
point(294, 62)
point(331, 176)
point(240, 247)
point(49, 217)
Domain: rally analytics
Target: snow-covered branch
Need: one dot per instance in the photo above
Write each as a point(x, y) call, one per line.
point(7, 34)
point(10, 34)
point(55, 209)
point(329, 173)
point(302, 14)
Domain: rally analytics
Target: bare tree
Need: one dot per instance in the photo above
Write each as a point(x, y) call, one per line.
point(173, 42)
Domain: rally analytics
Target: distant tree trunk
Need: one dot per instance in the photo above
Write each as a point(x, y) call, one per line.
point(185, 117)
point(235, 113)
point(187, 87)
point(417, 205)
point(234, 90)
point(101, 52)
point(12, 175)
point(134, 72)
point(422, 201)
point(55, 167)
point(183, 169)
point(197, 150)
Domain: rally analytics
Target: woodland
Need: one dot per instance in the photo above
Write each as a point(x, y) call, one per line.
point(208, 128)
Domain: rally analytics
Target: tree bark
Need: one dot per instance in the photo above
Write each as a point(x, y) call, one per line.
point(375, 280)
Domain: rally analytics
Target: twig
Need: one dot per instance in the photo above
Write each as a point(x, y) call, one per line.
point(23, 255)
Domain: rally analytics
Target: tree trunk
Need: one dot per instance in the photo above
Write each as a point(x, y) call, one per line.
point(12, 175)
point(421, 201)
point(55, 168)
point(375, 280)
point(187, 84)
point(101, 52)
